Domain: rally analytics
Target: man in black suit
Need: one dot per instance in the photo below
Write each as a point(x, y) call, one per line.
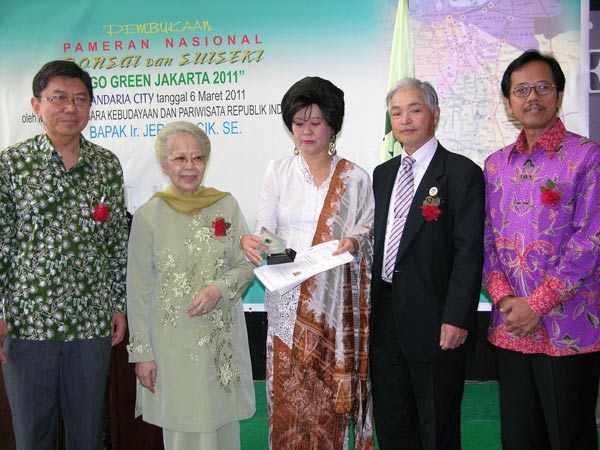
point(428, 256)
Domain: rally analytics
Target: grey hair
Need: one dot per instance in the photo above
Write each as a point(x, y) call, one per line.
point(161, 147)
point(429, 94)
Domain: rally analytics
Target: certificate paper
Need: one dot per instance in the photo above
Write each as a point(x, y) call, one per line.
point(284, 277)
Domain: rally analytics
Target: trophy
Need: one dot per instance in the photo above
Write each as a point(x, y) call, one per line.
point(277, 253)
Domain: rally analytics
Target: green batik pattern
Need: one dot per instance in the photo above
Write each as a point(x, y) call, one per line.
point(62, 274)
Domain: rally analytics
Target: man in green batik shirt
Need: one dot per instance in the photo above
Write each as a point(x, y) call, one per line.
point(63, 240)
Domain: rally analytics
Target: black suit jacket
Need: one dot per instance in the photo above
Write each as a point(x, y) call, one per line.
point(437, 277)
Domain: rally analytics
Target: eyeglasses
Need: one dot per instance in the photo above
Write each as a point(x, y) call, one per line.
point(64, 100)
point(181, 160)
point(541, 89)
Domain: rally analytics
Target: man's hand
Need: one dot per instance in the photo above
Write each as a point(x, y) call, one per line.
point(519, 318)
point(452, 337)
point(146, 373)
point(119, 325)
point(3, 334)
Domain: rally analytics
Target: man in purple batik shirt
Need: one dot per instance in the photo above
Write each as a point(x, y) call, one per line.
point(542, 247)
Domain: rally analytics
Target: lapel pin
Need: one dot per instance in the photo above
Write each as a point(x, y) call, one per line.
point(431, 206)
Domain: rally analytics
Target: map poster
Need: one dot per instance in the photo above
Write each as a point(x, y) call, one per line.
point(463, 48)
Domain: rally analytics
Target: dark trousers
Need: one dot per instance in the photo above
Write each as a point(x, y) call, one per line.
point(40, 374)
point(416, 404)
point(548, 402)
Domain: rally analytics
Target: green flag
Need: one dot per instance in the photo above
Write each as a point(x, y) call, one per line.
point(402, 65)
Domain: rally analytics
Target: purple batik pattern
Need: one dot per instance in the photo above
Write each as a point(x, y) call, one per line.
point(545, 246)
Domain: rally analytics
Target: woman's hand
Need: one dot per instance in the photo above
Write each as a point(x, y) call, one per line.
point(252, 249)
point(347, 244)
point(146, 373)
point(204, 302)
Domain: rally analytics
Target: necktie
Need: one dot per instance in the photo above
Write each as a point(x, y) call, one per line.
point(403, 198)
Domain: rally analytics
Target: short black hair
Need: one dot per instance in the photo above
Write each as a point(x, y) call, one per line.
point(60, 68)
point(314, 91)
point(530, 56)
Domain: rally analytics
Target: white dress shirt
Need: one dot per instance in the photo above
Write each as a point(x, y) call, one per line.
point(422, 156)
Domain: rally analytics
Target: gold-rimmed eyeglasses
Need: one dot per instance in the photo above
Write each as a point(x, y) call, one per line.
point(182, 160)
point(541, 88)
point(64, 100)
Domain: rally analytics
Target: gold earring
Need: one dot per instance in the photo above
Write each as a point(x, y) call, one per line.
point(332, 150)
point(296, 151)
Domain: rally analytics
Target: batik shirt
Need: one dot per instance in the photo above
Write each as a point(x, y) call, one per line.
point(542, 240)
point(62, 273)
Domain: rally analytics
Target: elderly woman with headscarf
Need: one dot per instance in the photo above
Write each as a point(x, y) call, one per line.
point(185, 276)
point(317, 338)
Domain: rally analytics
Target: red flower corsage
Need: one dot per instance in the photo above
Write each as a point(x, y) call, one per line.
point(431, 212)
point(100, 212)
point(550, 195)
point(220, 227)
point(430, 208)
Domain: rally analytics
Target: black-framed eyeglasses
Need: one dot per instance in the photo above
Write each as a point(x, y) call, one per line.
point(541, 88)
point(64, 100)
